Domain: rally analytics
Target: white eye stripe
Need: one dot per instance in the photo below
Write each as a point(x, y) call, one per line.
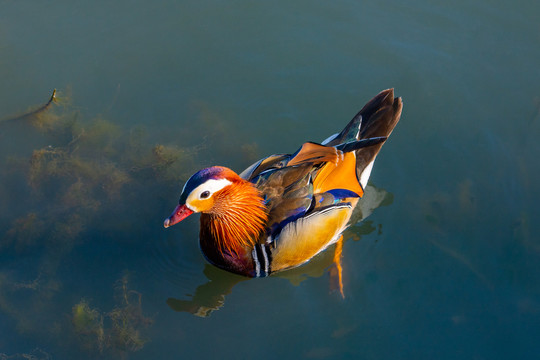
point(211, 186)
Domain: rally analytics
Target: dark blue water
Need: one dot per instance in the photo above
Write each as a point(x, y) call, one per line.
point(446, 265)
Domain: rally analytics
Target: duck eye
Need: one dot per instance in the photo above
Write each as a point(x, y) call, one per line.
point(205, 194)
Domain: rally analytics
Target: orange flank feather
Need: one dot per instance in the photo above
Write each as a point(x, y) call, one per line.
point(311, 152)
point(339, 175)
point(237, 218)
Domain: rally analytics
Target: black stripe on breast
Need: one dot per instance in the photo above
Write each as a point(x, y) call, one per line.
point(268, 253)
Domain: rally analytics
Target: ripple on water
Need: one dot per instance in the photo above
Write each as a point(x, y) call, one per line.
point(176, 258)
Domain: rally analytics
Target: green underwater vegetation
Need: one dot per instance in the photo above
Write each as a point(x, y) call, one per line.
point(36, 354)
point(83, 169)
point(67, 177)
point(118, 330)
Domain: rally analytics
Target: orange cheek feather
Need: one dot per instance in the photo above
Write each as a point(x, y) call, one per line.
point(199, 205)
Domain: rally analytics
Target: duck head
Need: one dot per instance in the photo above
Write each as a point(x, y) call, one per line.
point(201, 192)
point(233, 210)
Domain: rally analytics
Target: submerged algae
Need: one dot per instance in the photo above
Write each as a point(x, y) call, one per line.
point(79, 178)
point(117, 330)
point(88, 325)
point(85, 169)
point(34, 115)
point(36, 354)
point(127, 319)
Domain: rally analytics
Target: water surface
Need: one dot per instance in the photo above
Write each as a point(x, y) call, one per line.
point(445, 266)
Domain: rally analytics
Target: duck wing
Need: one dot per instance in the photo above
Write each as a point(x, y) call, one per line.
point(309, 204)
point(289, 182)
point(286, 181)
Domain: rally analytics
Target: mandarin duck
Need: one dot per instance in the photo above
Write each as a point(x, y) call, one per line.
point(284, 209)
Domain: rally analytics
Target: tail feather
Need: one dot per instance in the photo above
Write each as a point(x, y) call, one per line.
point(377, 119)
point(380, 116)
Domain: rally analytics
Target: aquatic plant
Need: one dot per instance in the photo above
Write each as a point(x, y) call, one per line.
point(28, 302)
point(85, 168)
point(127, 319)
point(24, 232)
point(118, 330)
point(88, 324)
point(34, 114)
point(36, 354)
point(77, 176)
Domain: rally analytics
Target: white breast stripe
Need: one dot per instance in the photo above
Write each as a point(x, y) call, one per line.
point(257, 263)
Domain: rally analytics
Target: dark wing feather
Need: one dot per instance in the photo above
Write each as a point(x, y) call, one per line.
point(286, 183)
point(287, 192)
point(276, 161)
